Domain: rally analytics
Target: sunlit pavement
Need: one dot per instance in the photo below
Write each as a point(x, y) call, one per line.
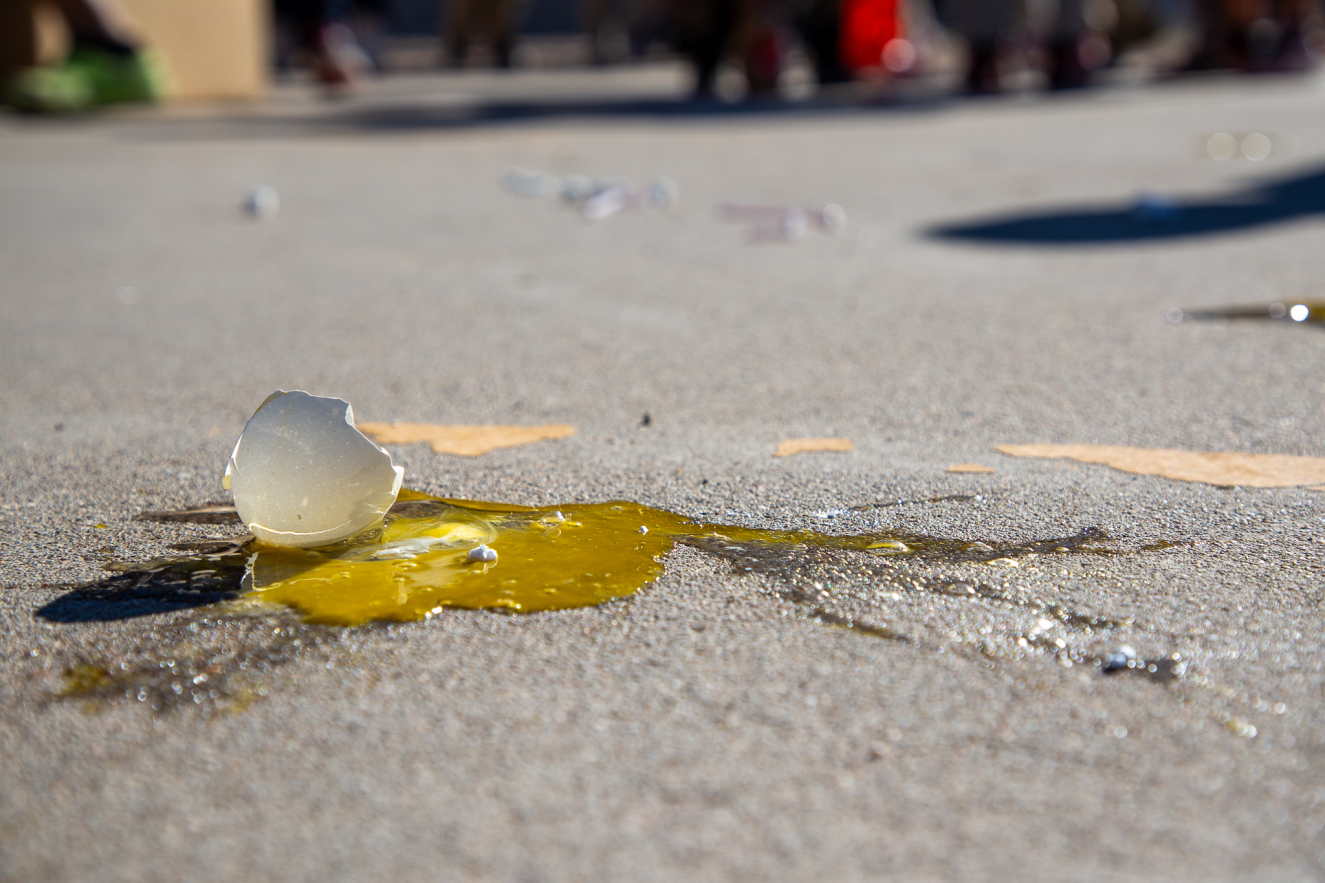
point(1004, 277)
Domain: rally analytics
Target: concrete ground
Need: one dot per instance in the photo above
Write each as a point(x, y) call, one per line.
point(993, 285)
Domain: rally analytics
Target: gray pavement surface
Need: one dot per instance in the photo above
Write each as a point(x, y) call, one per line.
point(711, 727)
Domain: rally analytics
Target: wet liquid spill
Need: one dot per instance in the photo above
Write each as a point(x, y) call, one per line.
point(1292, 313)
point(211, 663)
point(264, 606)
point(579, 555)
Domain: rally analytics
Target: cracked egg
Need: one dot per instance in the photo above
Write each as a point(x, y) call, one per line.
point(302, 475)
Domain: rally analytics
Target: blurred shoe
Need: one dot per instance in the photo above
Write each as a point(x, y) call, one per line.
point(341, 61)
point(1170, 49)
point(90, 78)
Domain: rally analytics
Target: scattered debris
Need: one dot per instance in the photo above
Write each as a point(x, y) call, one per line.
point(646, 421)
point(465, 441)
point(531, 182)
point(1119, 659)
point(262, 202)
point(804, 445)
point(605, 203)
point(1225, 469)
point(303, 476)
point(1124, 660)
point(597, 199)
point(769, 223)
point(969, 467)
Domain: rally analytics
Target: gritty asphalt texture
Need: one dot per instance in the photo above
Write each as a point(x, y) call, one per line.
point(723, 724)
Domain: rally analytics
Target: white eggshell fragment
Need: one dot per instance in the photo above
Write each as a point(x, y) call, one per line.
point(482, 553)
point(303, 476)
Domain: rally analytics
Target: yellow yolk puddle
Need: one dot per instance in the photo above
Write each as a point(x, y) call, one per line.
point(547, 559)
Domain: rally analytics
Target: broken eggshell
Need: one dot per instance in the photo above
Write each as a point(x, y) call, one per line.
point(303, 476)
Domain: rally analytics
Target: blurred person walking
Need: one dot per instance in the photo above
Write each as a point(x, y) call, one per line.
point(987, 27)
point(753, 33)
point(703, 30)
point(1068, 38)
point(1261, 35)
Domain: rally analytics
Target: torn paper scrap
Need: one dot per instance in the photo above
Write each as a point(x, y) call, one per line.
point(1226, 469)
point(466, 441)
point(803, 445)
point(969, 467)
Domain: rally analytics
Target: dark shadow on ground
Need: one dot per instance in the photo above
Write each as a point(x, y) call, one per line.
point(1275, 202)
point(430, 114)
point(131, 595)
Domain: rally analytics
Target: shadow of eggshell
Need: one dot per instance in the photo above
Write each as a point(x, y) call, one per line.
point(303, 476)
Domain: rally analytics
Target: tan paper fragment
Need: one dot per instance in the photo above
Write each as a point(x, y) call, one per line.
point(969, 467)
point(802, 445)
point(467, 441)
point(1219, 468)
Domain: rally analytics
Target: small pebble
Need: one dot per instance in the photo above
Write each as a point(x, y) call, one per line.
point(483, 553)
point(643, 529)
point(262, 202)
point(833, 217)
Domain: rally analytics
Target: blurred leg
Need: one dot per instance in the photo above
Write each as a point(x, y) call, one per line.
point(458, 21)
point(820, 27)
point(501, 27)
point(104, 24)
point(595, 21)
point(985, 25)
point(1068, 70)
point(713, 44)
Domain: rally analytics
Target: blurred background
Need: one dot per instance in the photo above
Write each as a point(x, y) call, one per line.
point(66, 55)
